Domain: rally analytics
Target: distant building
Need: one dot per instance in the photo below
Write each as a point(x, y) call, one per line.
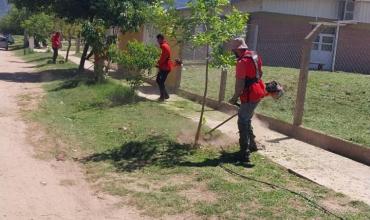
point(4, 7)
point(276, 29)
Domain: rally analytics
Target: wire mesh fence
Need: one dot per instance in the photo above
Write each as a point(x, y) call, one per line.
point(333, 100)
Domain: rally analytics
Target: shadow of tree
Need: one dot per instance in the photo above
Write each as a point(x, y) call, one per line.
point(134, 155)
point(39, 59)
point(224, 158)
point(43, 76)
point(158, 151)
point(15, 47)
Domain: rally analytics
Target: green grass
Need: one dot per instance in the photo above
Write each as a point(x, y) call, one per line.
point(42, 61)
point(337, 103)
point(129, 148)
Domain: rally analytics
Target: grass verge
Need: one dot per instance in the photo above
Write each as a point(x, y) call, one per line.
point(337, 103)
point(130, 150)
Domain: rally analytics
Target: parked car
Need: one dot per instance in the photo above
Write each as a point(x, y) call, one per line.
point(4, 43)
point(10, 39)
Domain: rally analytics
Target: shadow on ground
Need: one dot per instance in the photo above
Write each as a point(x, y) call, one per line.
point(157, 151)
point(152, 90)
point(15, 47)
point(43, 76)
point(134, 155)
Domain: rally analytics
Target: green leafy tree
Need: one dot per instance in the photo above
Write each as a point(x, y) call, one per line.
point(39, 26)
point(164, 17)
point(218, 28)
point(94, 34)
point(128, 15)
point(137, 60)
point(12, 22)
point(70, 30)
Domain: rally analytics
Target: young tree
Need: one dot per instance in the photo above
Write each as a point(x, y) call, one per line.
point(219, 27)
point(70, 30)
point(164, 17)
point(137, 59)
point(39, 26)
point(128, 15)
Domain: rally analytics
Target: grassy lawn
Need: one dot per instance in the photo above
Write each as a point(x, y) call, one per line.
point(129, 148)
point(337, 103)
point(43, 61)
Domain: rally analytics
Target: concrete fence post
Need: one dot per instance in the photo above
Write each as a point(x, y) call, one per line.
point(221, 94)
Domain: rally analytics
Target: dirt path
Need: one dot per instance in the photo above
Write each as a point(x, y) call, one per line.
point(36, 189)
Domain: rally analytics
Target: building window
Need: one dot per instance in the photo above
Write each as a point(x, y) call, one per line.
point(324, 42)
point(346, 9)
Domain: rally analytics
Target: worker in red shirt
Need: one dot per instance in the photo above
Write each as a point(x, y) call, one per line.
point(250, 89)
point(164, 66)
point(56, 44)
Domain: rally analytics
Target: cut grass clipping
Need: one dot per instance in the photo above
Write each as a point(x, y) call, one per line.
point(128, 146)
point(336, 103)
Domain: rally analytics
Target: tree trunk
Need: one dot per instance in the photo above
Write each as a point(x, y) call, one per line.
point(203, 102)
point(78, 44)
point(83, 58)
point(68, 49)
point(31, 43)
point(25, 42)
point(99, 68)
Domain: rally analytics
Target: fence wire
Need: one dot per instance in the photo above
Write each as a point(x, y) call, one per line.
point(333, 99)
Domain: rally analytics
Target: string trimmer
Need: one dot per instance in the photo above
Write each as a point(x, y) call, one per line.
point(208, 134)
point(275, 90)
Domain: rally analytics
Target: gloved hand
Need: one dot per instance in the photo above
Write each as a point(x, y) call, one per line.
point(233, 100)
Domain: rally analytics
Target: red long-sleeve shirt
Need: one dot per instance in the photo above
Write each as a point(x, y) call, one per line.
point(164, 62)
point(55, 41)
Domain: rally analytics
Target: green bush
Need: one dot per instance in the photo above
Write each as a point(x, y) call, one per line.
point(137, 59)
point(39, 26)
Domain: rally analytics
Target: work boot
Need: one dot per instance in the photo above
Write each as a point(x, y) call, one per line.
point(252, 143)
point(165, 94)
point(243, 156)
point(162, 96)
point(244, 145)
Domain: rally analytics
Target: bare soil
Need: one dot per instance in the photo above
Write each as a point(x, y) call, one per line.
point(31, 188)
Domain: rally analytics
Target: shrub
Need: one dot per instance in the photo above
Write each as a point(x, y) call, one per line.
point(136, 60)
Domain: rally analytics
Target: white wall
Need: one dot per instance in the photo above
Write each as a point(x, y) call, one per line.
point(362, 11)
point(249, 5)
point(312, 8)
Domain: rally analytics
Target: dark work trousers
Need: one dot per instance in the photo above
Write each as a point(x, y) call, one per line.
point(55, 55)
point(161, 79)
point(246, 136)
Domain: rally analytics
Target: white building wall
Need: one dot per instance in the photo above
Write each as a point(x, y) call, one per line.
point(249, 5)
point(312, 8)
point(362, 11)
